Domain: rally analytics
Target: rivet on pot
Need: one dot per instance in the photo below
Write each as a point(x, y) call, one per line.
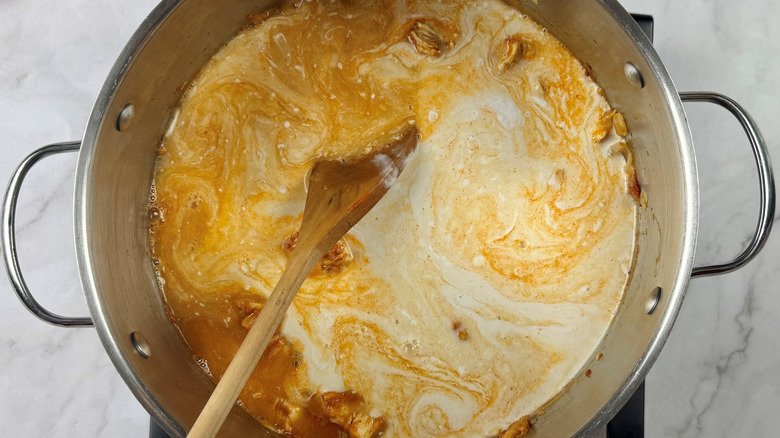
point(633, 75)
point(125, 118)
point(141, 345)
point(653, 300)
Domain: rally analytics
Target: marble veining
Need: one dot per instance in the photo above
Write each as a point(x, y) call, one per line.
point(716, 377)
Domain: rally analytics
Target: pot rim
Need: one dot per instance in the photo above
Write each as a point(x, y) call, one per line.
point(83, 193)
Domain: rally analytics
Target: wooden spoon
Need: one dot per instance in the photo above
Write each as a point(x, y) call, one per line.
point(340, 194)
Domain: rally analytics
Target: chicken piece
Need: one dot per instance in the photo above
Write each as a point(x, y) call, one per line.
point(603, 126)
point(620, 124)
point(633, 185)
point(427, 40)
point(249, 310)
point(517, 429)
point(339, 257)
point(348, 410)
point(512, 53)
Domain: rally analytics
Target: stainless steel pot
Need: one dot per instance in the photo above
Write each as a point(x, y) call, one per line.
point(134, 107)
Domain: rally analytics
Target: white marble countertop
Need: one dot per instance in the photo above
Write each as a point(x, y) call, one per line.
point(719, 374)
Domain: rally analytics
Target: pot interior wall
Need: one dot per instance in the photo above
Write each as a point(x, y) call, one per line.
point(116, 169)
point(175, 41)
point(666, 231)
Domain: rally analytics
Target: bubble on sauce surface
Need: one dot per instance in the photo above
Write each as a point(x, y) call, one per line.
point(154, 215)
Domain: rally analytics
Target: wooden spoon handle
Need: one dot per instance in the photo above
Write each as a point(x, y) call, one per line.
point(229, 387)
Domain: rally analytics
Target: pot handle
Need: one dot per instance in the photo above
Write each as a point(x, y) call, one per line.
point(9, 237)
point(765, 180)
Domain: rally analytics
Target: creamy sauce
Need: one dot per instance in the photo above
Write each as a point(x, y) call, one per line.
point(478, 286)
